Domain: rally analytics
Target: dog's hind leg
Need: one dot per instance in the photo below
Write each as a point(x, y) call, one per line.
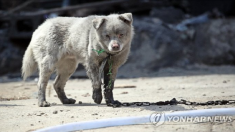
point(46, 68)
point(64, 71)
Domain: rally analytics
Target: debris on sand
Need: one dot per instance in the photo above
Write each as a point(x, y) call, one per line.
point(13, 98)
point(125, 86)
point(86, 95)
point(124, 92)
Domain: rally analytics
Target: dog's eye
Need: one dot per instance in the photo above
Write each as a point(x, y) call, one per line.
point(120, 35)
point(107, 36)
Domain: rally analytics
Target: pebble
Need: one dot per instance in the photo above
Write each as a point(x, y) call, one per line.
point(79, 102)
point(94, 114)
point(55, 112)
point(204, 95)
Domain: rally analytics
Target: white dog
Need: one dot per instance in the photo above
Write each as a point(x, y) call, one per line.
point(60, 44)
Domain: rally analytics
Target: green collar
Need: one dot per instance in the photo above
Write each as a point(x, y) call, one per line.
point(98, 51)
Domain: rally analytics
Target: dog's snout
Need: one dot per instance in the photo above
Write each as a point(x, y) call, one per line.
point(115, 46)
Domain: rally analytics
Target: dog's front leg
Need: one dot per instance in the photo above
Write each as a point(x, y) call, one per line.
point(93, 73)
point(109, 78)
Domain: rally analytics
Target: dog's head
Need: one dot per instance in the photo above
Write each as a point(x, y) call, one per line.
point(114, 32)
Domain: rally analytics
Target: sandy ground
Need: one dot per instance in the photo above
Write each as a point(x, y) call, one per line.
point(204, 84)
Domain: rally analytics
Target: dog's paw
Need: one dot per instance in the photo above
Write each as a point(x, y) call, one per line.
point(69, 101)
point(43, 104)
point(115, 103)
point(97, 96)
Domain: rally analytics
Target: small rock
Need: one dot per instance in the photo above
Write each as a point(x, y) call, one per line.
point(55, 112)
point(224, 81)
point(31, 125)
point(68, 94)
point(95, 114)
point(204, 95)
point(55, 95)
point(72, 116)
point(79, 102)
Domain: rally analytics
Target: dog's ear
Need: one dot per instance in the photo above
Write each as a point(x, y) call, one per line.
point(98, 22)
point(126, 17)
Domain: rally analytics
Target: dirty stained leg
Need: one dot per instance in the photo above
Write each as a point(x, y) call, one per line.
point(93, 73)
point(108, 91)
point(64, 71)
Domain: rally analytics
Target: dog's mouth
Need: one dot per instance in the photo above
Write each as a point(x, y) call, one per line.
point(114, 52)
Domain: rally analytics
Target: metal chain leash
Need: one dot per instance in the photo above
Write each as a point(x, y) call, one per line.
point(174, 102)
point(159, 103)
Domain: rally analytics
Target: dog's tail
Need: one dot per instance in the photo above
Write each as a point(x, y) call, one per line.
point(29, 65)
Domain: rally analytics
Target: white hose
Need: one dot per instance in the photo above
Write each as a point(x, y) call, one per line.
point(121, 121)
